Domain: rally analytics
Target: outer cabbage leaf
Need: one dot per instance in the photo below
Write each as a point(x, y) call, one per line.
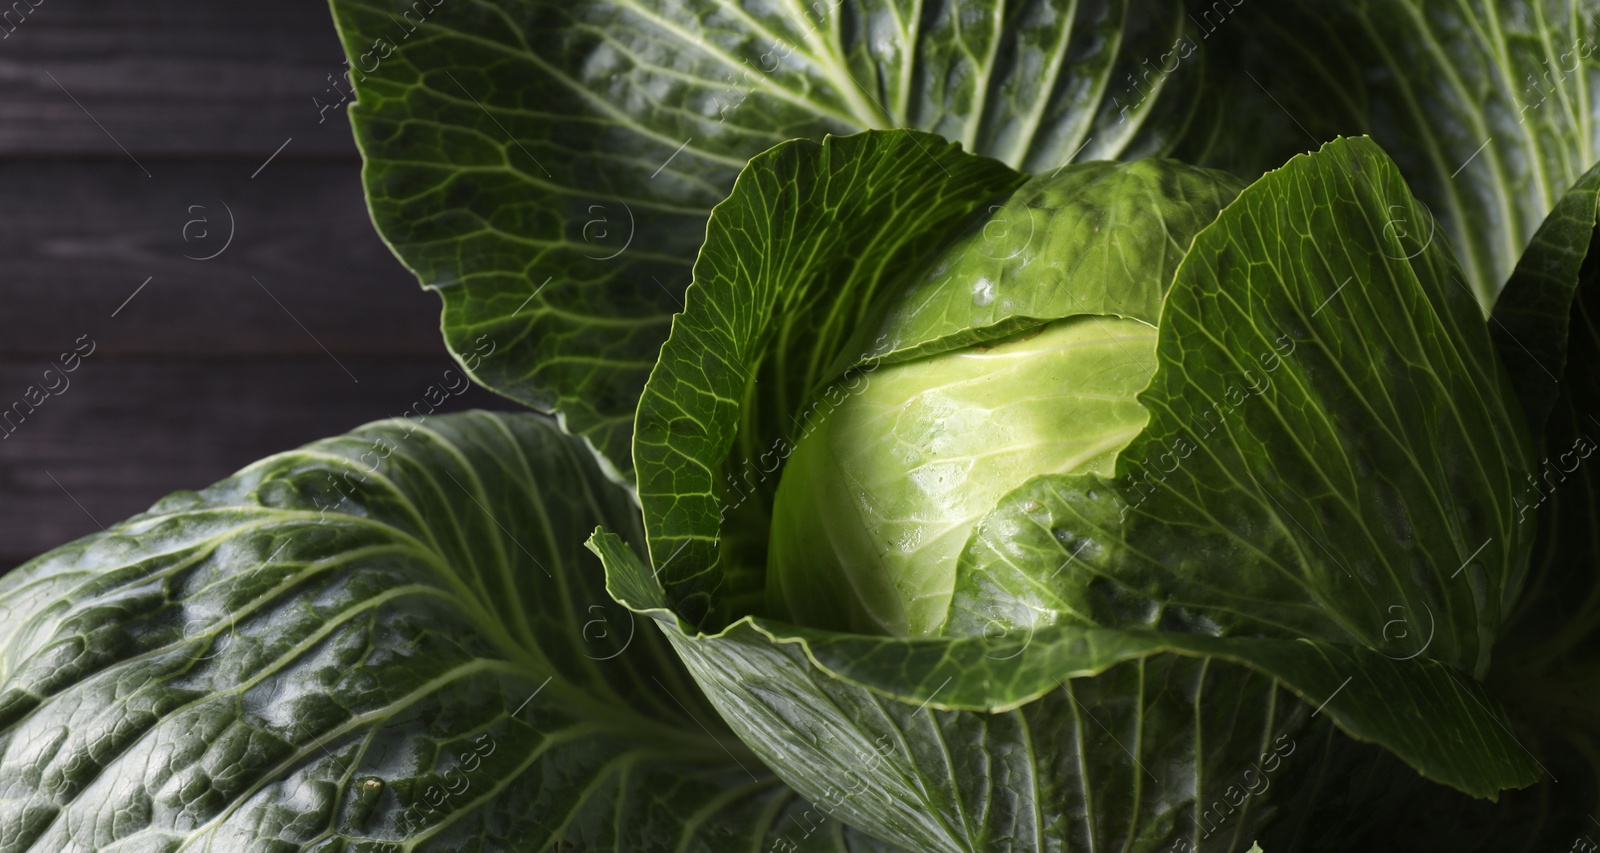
point(1087, 738)
point(390, 639)
point(1554, 637)
point(1332, 452)
point(1488, 107)
point(765, 332)
point(1532, 322)
point(1545, 669)
point(548, 167)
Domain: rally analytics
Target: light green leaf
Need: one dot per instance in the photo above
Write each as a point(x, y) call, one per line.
point(882, 493)
point(548, 168)
point(1332, 448)
point(392, 639)
point(1486, 106)
point(1092, 238)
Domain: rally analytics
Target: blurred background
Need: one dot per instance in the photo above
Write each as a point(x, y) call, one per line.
point(181, 216)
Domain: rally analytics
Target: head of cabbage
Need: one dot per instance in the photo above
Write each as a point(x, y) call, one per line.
point(906, 466)
point(1020, 352)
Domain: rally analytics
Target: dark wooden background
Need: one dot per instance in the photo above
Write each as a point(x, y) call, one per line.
point(177, 104)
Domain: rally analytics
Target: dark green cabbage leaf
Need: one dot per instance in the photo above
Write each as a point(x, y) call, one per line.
point(1088, 738)
point(1546, 669)
point(1487, 107)
point(388, 640)
point(548, 167)
point(1333, 446)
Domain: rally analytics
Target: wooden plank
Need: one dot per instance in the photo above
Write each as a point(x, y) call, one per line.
point(125, 432)
point(79, 239)
point(180, 77)
point(123, 125)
